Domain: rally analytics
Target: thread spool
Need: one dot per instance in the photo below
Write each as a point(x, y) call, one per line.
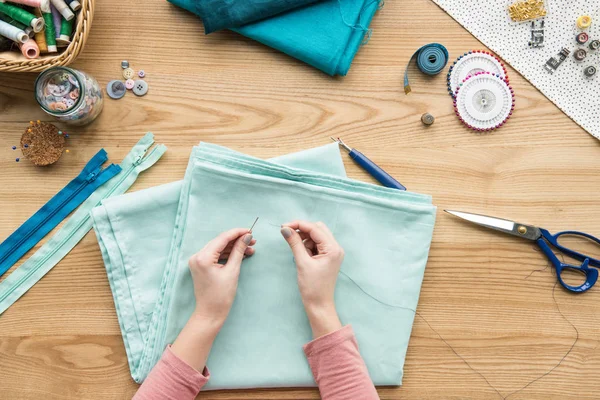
point(50, 31)
point(17, 24)
point(13, 33)
point(27, 29)
point(30, 49)
point(56, 19)
point(40, 37)
point(66, 30)
point(74, 4)
point(431, 60)
point(63, 8)
point(30, 3)
point(23, 16)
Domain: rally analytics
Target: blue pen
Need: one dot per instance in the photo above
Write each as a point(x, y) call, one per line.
point(383, 177)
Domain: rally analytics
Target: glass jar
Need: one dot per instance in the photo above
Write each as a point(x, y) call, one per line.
point(69, 95)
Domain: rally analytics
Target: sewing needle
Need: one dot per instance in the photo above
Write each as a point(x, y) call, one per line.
point(255, 221)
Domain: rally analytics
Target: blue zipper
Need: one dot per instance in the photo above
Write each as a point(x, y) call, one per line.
point(55, 210)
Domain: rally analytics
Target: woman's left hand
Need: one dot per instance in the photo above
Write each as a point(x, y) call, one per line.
point(215, 270)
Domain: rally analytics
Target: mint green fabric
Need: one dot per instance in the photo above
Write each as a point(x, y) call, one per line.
point(147, 237)
point(78, 225)
point(326, 35)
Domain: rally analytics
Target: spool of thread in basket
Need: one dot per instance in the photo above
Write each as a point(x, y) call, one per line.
point(40, 37)
point(30, 49)
point(56, 19)
point(74, 4)
point(27, 29)
point(23, 16)
point(50, 32)
point(30, 3)
point(66, 30)
point(13, 33)
point(64, 9)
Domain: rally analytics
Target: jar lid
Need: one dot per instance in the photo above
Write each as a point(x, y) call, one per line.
point(58, 90)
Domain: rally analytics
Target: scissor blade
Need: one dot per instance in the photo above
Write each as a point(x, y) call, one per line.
point(499, 224)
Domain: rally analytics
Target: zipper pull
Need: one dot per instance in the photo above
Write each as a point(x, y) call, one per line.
point(139, 159)
point(93, 175)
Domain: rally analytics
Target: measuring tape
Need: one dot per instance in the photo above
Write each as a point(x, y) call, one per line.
point(431, 60)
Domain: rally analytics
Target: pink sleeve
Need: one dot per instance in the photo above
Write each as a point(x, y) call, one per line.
point(338, 368)
point(173, 379)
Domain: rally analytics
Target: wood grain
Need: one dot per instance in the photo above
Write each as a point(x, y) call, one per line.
point(487, 324)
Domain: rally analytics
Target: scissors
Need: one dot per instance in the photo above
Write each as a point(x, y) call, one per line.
point(544, 239)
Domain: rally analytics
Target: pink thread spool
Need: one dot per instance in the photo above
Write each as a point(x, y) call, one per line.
point(30, 49)
point(30, 3)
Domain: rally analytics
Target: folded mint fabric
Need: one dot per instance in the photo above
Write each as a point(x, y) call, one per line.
point(326, 35)
point(147, 237)
point(223, 14)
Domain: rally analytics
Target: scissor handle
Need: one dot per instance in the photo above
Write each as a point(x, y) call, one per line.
point(591, 274)
point(553, 239)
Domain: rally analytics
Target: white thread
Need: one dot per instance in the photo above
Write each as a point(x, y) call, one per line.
point(13, 33)
point(64, 9)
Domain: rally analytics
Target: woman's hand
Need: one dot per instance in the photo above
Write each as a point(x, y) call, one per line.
point(318, 260)
point(215, 270)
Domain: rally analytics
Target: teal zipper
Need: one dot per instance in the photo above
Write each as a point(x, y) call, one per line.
point(34, 269)
point(24, 238)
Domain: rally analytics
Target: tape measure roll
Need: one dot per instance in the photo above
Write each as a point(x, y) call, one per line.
point(431, 60)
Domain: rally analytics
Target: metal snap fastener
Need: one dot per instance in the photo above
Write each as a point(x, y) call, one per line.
point(582, 38)
point(580, 54)
point(590, 71)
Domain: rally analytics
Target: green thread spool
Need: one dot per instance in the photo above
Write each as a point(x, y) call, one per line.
point(27, 29)
point(24, 17)
point(66, 30)
point(50, 32)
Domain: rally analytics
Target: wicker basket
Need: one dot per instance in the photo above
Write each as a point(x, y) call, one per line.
point(12, 61)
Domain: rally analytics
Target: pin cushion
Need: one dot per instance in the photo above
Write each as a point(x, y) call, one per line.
point(42, 144)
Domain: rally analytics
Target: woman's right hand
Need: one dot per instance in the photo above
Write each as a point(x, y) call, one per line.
point(318, 260)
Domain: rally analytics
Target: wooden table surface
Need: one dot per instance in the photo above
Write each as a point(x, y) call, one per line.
point(488, 326)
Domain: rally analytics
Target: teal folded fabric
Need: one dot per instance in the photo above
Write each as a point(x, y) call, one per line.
point(326, 35)
point(147, 237)
point(223, 14)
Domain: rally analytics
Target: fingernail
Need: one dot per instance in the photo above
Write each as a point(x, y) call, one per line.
point(247, 239)
point(286, 232)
